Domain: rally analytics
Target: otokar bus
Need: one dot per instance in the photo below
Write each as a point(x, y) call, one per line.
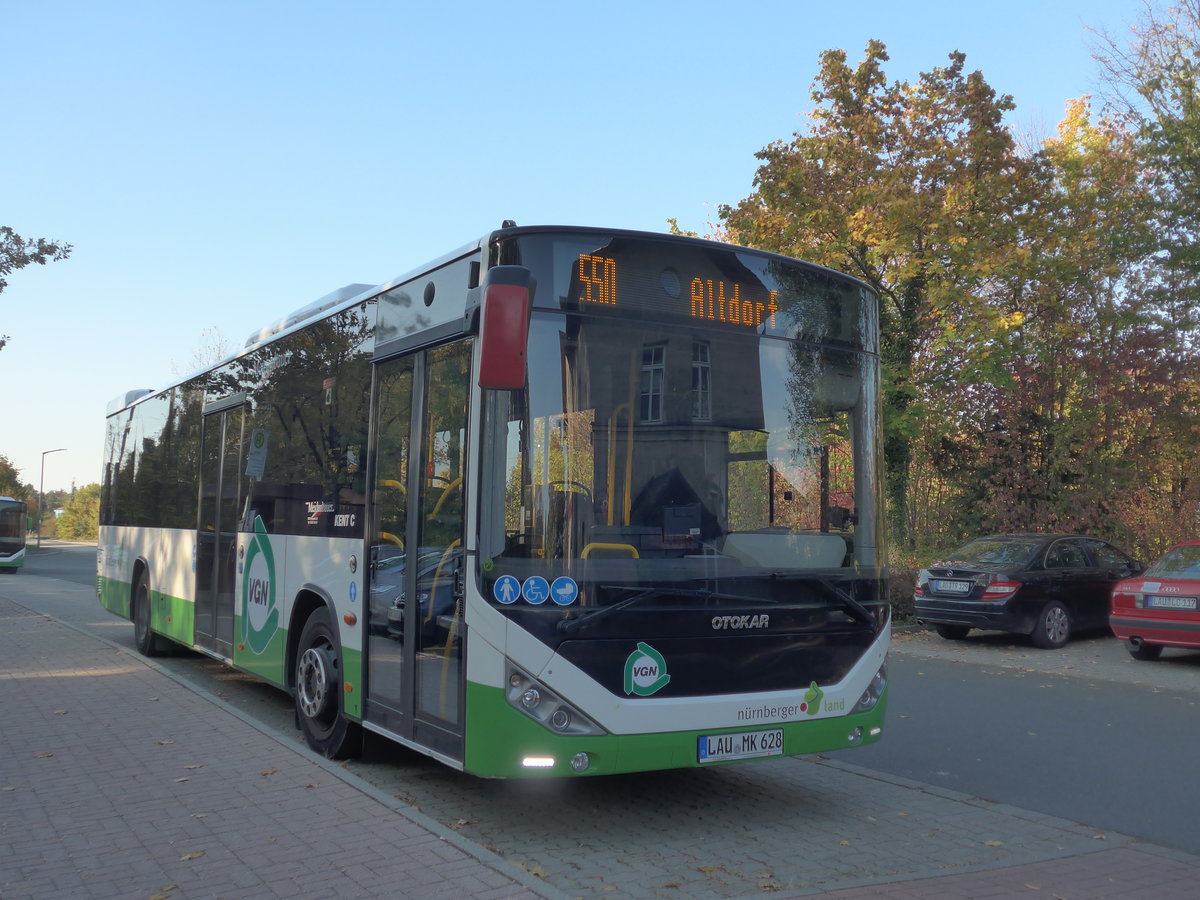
point(566, 501)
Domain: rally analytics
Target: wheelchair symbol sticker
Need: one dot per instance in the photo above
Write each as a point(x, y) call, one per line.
point(564, 591)
point(535, 589)
point(506, 589)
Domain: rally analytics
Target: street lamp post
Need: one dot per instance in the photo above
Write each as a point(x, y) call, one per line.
point(42, 493)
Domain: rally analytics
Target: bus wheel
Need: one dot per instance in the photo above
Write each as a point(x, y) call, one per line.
point(148, 643)
point(319, 690)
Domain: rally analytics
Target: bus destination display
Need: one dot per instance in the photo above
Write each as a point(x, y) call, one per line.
point(715, 300)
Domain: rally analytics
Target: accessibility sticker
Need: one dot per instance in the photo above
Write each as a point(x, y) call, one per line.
point(535, 589)
point(564, 590)
point(506, 589)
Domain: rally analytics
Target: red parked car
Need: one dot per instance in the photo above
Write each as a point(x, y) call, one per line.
point(1161, 606)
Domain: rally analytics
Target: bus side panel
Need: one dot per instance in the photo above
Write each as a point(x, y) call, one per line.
point(167, 554)
point(262, 604)
point(173, 584)
point(281, 577)
point(489, 714)
point(114, 572)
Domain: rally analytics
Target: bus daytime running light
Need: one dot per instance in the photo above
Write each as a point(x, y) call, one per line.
point(538, 762)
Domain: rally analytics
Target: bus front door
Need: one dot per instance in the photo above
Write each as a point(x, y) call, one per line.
point(216, 540)
point(415, 651)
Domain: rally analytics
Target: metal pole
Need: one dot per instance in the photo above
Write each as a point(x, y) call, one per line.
point(42, 493)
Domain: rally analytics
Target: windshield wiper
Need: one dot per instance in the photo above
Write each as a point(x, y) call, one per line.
point(848, 600)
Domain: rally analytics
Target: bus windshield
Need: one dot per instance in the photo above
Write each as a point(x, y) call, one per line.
point(663, 460)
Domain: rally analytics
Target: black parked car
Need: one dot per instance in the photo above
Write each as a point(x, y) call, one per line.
point(1042, 585)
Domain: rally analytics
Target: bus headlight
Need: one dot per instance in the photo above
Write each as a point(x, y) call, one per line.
point(534, 699)
point(873, 692)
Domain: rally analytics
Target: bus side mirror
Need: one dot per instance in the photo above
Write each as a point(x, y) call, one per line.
point(504, 327)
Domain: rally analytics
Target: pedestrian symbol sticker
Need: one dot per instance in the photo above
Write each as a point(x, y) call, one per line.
point(535, 589)
point(564, 590)
point(506, 589)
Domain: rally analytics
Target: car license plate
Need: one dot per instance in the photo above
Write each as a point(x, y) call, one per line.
point(714, 748)
point(1171, 602)
point(952, 587)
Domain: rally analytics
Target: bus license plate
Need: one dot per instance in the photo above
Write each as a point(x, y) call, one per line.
point(1171, 602)
point(714, 748)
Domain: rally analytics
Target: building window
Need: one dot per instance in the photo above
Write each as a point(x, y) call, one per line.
point(701, 382)
point(653, 365)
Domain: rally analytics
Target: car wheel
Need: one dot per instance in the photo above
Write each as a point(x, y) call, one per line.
point(319, 690)
point(1142, 650)
point(1053, 626)
point(952, 632)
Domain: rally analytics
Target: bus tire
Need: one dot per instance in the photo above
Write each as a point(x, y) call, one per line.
point(148, 643)
point(319, 691)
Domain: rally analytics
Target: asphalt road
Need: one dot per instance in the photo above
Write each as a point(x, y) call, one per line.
point(1085, 734)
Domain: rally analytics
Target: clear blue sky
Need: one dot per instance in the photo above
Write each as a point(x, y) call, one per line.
point(219, 164)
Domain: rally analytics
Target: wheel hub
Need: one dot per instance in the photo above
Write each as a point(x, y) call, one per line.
point(313, 682)
point(1056, 624)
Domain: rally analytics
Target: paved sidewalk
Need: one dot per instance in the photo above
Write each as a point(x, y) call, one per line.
point(119, 781)
point(116, 781)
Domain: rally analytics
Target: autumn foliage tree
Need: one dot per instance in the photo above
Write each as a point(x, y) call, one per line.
point(1040, 361)
point(915, 188)
point(80, 519)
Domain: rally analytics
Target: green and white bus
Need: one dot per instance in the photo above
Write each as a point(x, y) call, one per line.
point(13, 528)
point(566, 501)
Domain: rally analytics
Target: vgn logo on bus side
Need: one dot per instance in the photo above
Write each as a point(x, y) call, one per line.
point(260, 615)
point(645, 671)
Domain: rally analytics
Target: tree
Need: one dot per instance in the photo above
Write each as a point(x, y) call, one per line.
point(80, 519)
point(1155, 79)
point(1038, 306)
point(16, 252)
point(917, 189)
point(213, 348)
point(10, 480)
